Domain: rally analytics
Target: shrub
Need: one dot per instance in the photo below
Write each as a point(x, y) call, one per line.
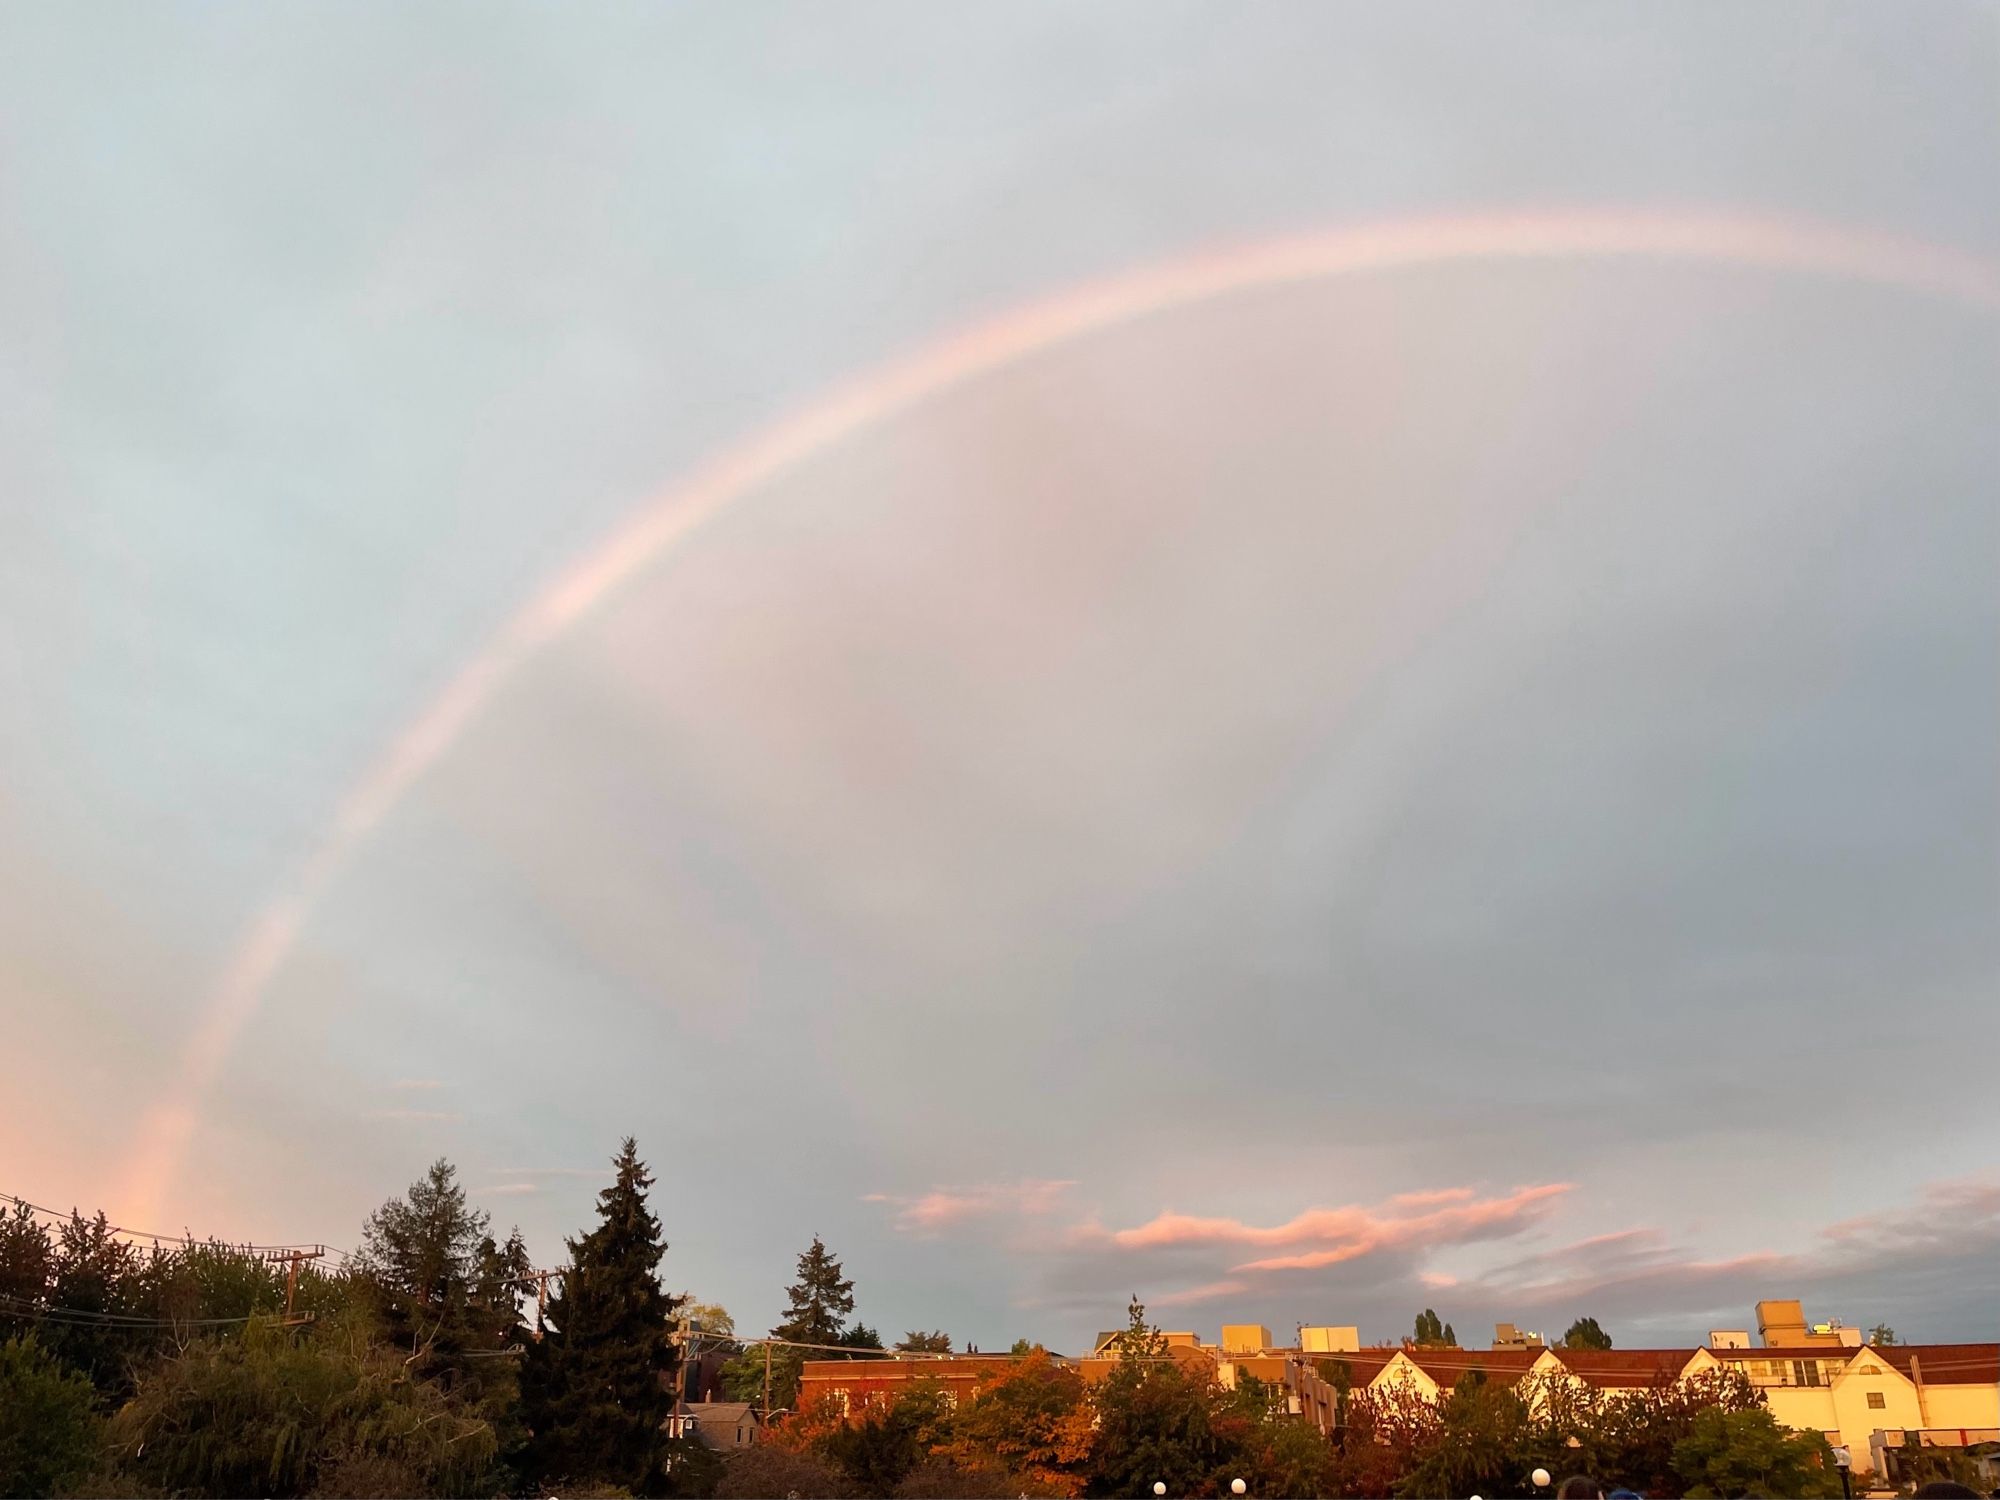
point(49, 1433)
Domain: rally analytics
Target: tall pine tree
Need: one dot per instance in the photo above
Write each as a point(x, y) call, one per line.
point(821, 1300)
point(599, 1385)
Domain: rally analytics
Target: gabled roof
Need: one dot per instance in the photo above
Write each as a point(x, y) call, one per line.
point(1944, 1364)
point(1625, 1369)
point(1363, 1365)
point(719, 1411)
point(1838, 1353)
point(1448, 1366)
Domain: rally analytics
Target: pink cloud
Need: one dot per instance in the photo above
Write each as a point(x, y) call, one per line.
point(1341, 1234)
point(1206, 1292)
point(942, 1208)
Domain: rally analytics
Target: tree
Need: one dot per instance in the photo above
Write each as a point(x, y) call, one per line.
point(712, 1318)
point(1023, 1346)
point(598, 1385)
point(1155, 1423)
point(1882, 1333)
point(860, 1336)
point(766, 1470)
point(1485, 1438)
point(423, 1254)
point(1138, 1340)
point(1751, 1453)
point(96, 1274)
point(27, 1261)
point(821, 1300)
point(1032, 1419)
point(49, 1431)
point(878, 1449)
point(1636, 1432)
point(272, 1413)
point(1433, 1334)
point(1585, 1334)
point(938, 1342)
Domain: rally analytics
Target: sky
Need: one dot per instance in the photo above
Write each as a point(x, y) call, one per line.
point(1466, 783)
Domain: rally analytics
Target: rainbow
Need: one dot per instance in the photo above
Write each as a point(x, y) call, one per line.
point(1725, 239)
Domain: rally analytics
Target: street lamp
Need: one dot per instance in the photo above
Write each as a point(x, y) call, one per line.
point(1540, 1478)
point(1237, 1486)
point(1159, 1486)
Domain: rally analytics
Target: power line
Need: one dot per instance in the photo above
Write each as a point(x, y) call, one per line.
point(21, 1307)
point(146, 1234)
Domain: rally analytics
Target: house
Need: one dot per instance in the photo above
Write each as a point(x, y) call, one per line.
point(724, 1426)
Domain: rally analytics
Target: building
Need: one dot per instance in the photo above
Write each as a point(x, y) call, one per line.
point(724, 1426)
point(1507, 1336)
point(1343, 1339)
point(1875, 1401)
point(1782, 1325)
point(1878, 1402)
point(856, 1384)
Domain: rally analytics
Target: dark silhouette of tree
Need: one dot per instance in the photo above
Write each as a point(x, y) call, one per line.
point(1431, 1334)
point(821, 1300)
point(598, 1386)
point(1882, 1333)
point(938, 1342)
point(1585, 1334)
point(422, 1254)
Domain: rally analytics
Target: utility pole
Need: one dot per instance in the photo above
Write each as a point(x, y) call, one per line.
point(767, 1380)
point(292, 1260)
point(541, 1298)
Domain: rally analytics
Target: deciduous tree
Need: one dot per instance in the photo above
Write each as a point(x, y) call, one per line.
point(1751, 1453)
point(1585, 1334)
point(49, 1431)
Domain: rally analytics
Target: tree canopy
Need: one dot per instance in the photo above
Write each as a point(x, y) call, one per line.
point(820, 1300)
point(598, 1385)
point(1585, 1334)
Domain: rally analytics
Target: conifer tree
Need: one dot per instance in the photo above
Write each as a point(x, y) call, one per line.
point(820, 1300)
point(424, 1254)
point(599, 1386)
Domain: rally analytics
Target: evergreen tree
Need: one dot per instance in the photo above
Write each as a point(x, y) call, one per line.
point(938, 1342)
point(821, 1300)
point(600, 1383)
point(427, 1256)
point(1429, 1330)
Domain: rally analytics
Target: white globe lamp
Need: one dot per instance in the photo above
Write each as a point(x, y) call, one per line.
point(1541, 1478)
point(1237, 1486)
point(1159, 1486)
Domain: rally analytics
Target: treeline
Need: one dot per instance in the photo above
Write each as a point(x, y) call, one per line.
point(159, 1370)
point(410, 1369)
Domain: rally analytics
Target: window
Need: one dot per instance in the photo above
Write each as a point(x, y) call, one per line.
point(1877, 1400)
point(1805, 1371)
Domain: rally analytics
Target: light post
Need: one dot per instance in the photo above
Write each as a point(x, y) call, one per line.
point(1237, 1487)
point(1159, 1486)
point(1540, 1479)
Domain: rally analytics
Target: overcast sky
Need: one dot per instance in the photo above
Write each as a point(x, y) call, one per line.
point(1471, 784)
